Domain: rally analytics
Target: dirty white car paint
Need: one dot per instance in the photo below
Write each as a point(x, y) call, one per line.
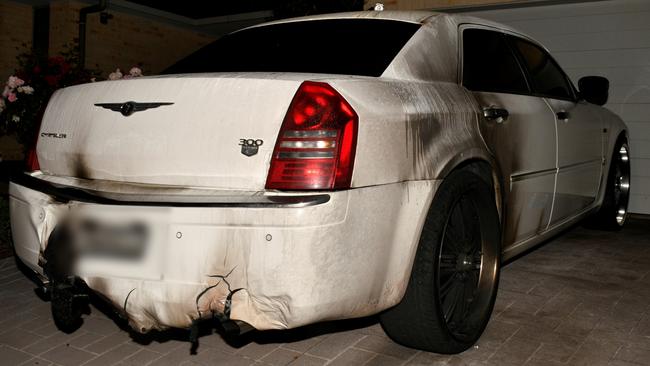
point(280, 259)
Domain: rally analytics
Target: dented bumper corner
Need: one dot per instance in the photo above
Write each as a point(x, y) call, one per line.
point(274, 261)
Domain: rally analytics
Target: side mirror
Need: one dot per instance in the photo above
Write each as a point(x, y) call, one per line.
point(594, 89)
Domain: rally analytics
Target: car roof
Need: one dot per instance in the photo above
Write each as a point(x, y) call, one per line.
point(404, 16)
point(411, 16)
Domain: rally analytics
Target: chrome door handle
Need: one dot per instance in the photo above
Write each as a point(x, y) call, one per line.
point(563, 116)
point(497, 114)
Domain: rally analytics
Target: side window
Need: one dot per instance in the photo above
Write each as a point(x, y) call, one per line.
point(546, 77)
point(489, 64)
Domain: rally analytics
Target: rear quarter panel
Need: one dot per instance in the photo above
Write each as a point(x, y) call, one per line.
point(411, 130)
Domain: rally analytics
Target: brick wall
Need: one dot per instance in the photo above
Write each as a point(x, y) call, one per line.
point(125, 41)
point(15, 29)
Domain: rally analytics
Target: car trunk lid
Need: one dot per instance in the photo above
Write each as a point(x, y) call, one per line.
point(195, 141)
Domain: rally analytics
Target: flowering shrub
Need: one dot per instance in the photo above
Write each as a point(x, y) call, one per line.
point(133, 73)
point(25, 94)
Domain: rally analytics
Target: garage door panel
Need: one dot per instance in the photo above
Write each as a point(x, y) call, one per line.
point(598, 41)
point(638, 112)
point(639, 204)
point(641, 186)
point(568, 10)
point(633, 76)
point(625, 94)
point(641, 167)
point(604, 58)
point(639, 149)
point(640, 131)
point(588, 24)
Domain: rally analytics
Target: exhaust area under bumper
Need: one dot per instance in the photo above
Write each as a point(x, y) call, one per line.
point(269, 262)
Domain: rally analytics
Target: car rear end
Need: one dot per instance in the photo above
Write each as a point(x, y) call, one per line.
point(249, 194)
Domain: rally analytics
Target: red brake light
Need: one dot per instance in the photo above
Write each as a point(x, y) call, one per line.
point(31, 160)
point(316, 145)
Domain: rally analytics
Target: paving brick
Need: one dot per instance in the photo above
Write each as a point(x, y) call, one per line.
point(119, 353)
point(335, 344)
point(142, 357)
point(67, 356)
point(11, 356)
point(633, 355)
point(304, 345)
point(515, 352)
point(18, 338)
point(36, 362)
point(257, 351)
point(307, 360)
point(385, 346)
point(212, 357)
point(52, 341)
point(555, 352)
point(429, 359)
point(281, 357)
point(383, 360)
point(352, 356)
point(99, 325)
point(83, 339)
point(108, 342)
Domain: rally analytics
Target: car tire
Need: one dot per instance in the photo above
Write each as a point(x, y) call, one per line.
point(429, 317)
point(613, 212)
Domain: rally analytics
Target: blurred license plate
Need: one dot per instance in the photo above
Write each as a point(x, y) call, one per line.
point(112, 240)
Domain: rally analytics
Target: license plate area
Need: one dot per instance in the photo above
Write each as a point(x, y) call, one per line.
point(95, 238)
point(120, 241)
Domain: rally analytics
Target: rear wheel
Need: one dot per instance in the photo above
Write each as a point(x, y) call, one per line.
point(454, 280)
point(613, 212)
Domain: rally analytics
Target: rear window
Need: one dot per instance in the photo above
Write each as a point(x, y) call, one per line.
point(335, 46)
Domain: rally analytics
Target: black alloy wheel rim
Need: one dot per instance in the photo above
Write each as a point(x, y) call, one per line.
point(621, 183)
point(466, 269)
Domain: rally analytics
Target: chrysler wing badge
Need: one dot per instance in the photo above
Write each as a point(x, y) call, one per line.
point(128, 108)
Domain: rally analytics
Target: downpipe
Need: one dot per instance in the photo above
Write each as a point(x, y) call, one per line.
point(83, 13)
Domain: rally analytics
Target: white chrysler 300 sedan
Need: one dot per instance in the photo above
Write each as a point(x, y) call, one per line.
point(319, 168)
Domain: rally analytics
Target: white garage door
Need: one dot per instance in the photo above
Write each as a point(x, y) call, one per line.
point(608, 38)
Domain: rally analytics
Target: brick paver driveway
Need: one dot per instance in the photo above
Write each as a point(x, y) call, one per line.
point(582, 299)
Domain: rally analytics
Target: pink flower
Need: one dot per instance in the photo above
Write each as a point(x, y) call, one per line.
point(135, 72)
point(116, 75)
point(6, 92)
point(26, 89)
point(12, 97)
point(15, 82)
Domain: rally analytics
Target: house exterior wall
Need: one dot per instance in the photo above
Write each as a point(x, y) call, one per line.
point(15, 35)
point(125, 41)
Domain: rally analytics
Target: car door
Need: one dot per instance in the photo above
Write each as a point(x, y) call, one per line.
point(579, 132)
point(518, 128)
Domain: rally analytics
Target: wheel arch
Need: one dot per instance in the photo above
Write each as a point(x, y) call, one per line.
point(621, 135)
point(485, 167)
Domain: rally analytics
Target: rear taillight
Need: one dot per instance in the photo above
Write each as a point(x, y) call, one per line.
point(316, 145)
point(31, 160)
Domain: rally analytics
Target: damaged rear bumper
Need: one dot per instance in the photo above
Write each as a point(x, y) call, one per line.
point(274, 261)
